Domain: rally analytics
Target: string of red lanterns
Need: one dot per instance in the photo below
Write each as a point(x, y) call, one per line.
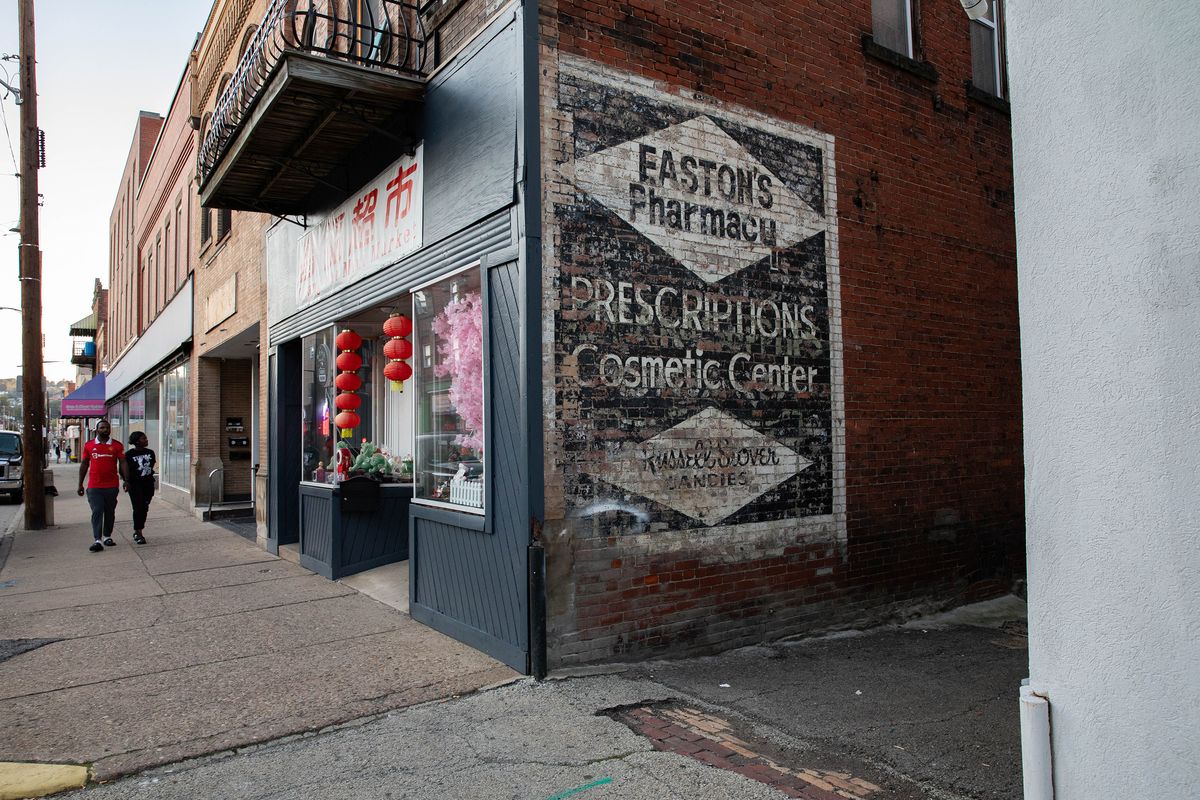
point(398, 350)
point(347, 382)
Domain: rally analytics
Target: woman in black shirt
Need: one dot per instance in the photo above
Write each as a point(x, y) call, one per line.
point(139, 484)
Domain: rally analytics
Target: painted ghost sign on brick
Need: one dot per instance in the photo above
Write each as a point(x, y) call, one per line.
point(696, 353)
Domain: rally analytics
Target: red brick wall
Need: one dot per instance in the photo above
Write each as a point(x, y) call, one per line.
point(125, 316)
point(236, 395)
point(929, 338)
point(453, 24)
point(164, 207)
point(233, 261)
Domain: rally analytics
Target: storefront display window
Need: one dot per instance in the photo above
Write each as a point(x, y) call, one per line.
point(318, 386)
point(175, 456)
point(116, 422)
point(152, 412)
point(325, 378)
point(137, 413)
point(449, 390)
point(394, 416)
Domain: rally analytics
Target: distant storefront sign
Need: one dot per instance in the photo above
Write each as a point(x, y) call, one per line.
point(87, 400)
point(377, 226)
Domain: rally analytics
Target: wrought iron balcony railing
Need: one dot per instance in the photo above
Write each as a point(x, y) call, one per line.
point(384, 35)
point(83, 352)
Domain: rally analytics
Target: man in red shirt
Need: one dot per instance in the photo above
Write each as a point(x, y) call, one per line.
point(104, 459)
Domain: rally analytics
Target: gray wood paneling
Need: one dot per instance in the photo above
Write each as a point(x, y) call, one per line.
point(284, 427)
point(472, 583)
point(365, 541)
point(316, 530)
point(471, 133)
point(336, 544)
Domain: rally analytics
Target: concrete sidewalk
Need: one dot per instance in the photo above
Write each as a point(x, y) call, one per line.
point(920, 712)
point(134, 660)
point(193, 643)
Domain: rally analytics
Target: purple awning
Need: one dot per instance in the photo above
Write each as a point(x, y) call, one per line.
point(86, 401)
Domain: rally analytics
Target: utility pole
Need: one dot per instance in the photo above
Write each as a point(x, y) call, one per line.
point(31, 283)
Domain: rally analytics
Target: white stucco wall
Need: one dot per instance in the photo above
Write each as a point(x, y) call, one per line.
point(1106, 132)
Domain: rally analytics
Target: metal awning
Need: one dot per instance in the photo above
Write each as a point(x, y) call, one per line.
point(85, 326)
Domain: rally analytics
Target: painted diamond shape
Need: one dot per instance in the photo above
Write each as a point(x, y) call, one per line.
point(693, 190)
point(707, 467)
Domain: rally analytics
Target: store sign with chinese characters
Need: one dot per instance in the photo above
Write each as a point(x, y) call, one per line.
point(377, 226)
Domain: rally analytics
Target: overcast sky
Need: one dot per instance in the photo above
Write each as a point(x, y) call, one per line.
point(98, 65)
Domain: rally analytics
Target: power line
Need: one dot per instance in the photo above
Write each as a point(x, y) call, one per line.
point(4, 118)
point(8, 137)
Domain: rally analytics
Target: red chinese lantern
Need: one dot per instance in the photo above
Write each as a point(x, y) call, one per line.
point(397, 325)
point(398, 349)
point(349, 362)
point(347, 421)
point(347, 382)
point(397, 372)
point(348, 340)
point(347, 401)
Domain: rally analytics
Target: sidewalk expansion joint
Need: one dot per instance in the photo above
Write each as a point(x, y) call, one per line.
point(268, 560)
point(193, 665)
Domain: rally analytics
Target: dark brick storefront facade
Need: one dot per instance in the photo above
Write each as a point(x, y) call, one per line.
point(781, 376)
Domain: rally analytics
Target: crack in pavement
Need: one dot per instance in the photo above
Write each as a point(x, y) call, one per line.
point(232, 660)
point(163, 610)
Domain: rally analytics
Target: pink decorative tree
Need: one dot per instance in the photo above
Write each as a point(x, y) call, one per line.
point(459, 329)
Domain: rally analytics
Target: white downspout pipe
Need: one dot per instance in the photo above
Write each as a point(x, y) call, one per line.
point(1037, 766)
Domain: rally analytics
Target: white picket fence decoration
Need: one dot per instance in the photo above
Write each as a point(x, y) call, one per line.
point(467, 492)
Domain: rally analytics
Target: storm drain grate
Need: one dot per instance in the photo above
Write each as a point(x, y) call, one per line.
point(711, 740)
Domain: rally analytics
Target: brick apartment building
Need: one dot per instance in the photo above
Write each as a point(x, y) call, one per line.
point(124, 267)
point(148, 352)
point(705, 314)
point(229, 460)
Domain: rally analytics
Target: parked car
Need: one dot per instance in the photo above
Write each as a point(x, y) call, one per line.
point(12, 473)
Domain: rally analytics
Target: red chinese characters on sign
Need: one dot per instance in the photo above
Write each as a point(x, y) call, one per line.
point(400, 187)
point(364, 220)
point(354, 239)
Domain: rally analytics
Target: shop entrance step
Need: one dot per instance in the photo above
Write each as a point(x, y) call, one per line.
point(227, 510)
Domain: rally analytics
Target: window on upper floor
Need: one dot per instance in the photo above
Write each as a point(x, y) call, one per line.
point(247, 38)
point(146, 294)
point(372, 27)
point(987, 51)
point(892, 25)
point(205, 226)
point(168, 263)
point(224, 223)
point(179, 275)
point(159, 276)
